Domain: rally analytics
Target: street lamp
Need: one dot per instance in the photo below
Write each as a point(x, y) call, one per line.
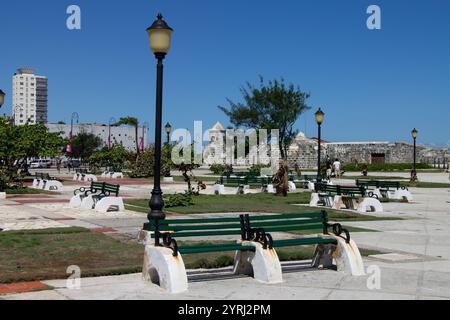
point(320, 117)
point(168, 131)
point(69, 149)
point(111, 121)
point(159, 35)
point(414, 134)
point(2, 98)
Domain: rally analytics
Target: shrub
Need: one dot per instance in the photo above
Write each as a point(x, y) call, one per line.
point(255, 170)
point(221, 169)
point(143, 167)
point(180, 200)
point(384, 166)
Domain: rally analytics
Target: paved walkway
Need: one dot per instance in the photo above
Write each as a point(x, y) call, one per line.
point(418, 266)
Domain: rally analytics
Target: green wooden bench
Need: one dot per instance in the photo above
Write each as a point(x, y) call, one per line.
point(302, 180)
point(260, 227)
point(98, 190)
point(166, 232)
point(348, 193)
point(383, 186)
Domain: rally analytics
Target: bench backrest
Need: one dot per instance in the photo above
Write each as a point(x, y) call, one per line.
point(105, 188)
point(181, 228)
point(313, 221)
point(340, 190)
point(378, 184)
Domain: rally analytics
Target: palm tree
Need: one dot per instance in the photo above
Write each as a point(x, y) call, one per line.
point(131, 121)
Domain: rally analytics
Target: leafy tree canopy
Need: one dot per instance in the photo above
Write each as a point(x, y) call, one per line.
point(18, 143)
point(85, 144)
point(275, 105)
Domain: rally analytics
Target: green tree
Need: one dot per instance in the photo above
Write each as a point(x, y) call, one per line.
point(115, 157)
point(134, 122)
point(84, 145)
point(275, 105)
point(18, 143)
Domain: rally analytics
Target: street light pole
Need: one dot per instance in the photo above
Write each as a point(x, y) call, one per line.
point(76, 117)
point(159, 34)
point(319, 119)
point(414, 134)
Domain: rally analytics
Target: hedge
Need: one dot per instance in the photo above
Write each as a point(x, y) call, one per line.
point(385, 166)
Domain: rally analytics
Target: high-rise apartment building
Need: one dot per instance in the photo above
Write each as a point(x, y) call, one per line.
point(29, 97)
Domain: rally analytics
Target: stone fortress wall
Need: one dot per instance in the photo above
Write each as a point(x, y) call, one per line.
point(303, 151)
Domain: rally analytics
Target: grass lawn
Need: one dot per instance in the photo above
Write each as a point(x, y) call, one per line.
point(25, 190)
point(45, 254)
point(430, 185)
point(373, 178)
point(261, 202)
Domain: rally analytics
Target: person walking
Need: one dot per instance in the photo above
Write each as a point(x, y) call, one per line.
point(337, 168)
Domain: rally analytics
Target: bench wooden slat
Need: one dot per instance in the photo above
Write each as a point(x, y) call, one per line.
point(302, 242)
point(214, 248)
point(205, 233)
point(200, 227)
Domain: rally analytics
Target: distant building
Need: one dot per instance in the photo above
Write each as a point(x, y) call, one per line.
point(29, 98)
point(124, 135)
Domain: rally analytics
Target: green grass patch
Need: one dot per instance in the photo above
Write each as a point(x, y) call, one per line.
point(261, 203)
point(430, 185)
point(374, 178)
point(25, 190)
point(46, 254)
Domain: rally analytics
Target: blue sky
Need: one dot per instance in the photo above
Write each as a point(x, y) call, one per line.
point(372, 85)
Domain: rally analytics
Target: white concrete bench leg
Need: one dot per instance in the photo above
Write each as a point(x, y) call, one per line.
point(53, 185)
point(162, 268)
point(87, 202)
point(270, 188)
point(314, 200)
point(338, 203)
point(109, 204)
point(75, 201)
point(263, 264)
point(370, 205)
point(243, 190)
point(219, 189)
point(117, 175)
point(75, 177)
point(403, 194)
point(36, 183)
point(376, 192)
point(311, 186)
point(345, 255)
point(292, 186)
point(90, 178)
point(2, 195)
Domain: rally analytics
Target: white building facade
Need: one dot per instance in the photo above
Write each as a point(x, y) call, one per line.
point(124, 135)
point(30, 97)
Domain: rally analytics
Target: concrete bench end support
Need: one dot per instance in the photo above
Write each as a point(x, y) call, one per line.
point(262, 264)
point(163, 269)
point(345, 255)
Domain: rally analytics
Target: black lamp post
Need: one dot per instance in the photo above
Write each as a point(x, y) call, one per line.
point(159, 34)
point(168, 131)
point(320, 116)
point(76, 117)
point(2, 97)
point(414, 134)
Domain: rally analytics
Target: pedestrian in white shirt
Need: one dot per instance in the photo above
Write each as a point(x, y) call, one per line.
point(337, 168)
